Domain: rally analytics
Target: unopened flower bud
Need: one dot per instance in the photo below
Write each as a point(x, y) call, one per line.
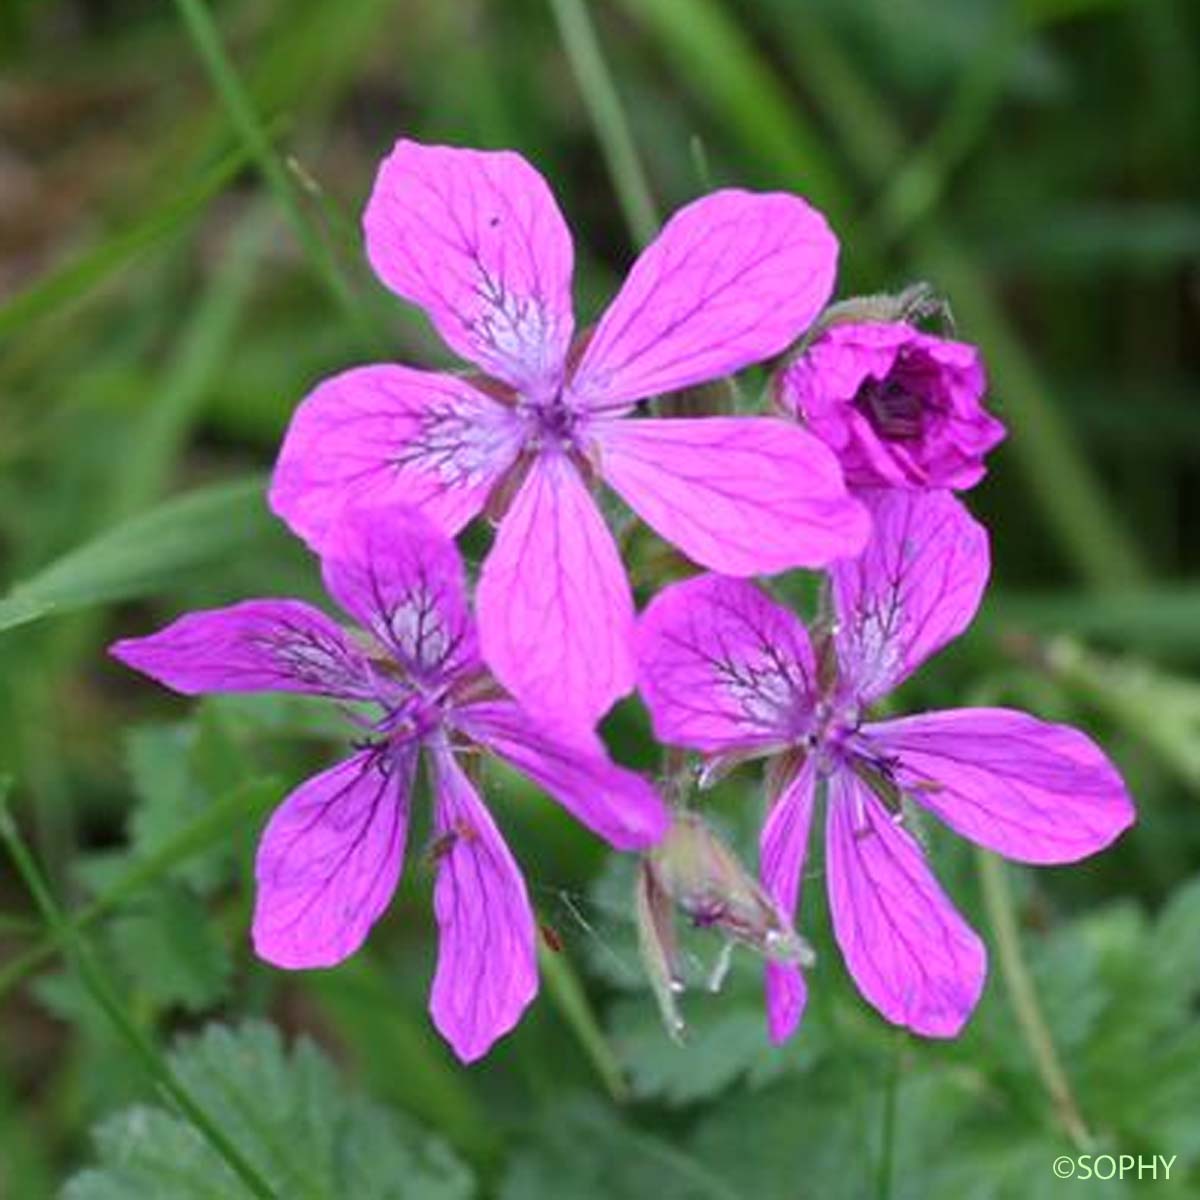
point(694, 871)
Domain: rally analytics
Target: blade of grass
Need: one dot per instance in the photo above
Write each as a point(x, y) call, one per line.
point(198, 357)
point(97, 985)
point(227, 815)
point(203, 32)
point(1160, 619)
point(914, 189)
point(76, 279)
point(143, 553)
point(608, 116)
point(711, 52)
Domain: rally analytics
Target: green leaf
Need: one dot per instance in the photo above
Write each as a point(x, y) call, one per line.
point(172, 950)
point(141, 555)
point(161, 760)
point(726, 1042)
point(288, 1113)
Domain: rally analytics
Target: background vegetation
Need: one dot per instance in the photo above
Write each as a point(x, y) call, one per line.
point(180, 261)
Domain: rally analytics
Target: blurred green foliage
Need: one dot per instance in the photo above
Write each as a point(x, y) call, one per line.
point(180, 261)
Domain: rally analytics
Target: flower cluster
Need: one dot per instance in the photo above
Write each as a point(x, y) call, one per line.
point(384, 465)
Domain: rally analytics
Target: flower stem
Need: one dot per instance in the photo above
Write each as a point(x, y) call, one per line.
point(572, 1002)
point(101, 991)
point(604, 107)
point(887, 1146)
point(998, 900)
point(231, 812)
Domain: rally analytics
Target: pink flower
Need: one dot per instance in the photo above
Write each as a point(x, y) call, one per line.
point(330, 857)
point(726, 671)
point(899, 408)
point(476, 239)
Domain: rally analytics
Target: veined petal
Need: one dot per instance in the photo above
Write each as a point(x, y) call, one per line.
point(487, 957)
point(329, 860)
point(404, 580)
point(389, 434)
point(1029, 790)
point(782, 848)
point(911, 954)
point(723, 667)
point(574, 768)
point(739, 495)
point(475, 238)
point(255, 646)
point(555, 610)
point(916, 587)
point(733, 278)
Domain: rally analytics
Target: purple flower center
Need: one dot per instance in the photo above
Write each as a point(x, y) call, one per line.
point(553, 423)
point(833, 731)
point(896, 411)
point(413, 719)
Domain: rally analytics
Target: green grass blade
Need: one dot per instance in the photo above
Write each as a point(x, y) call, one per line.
point(74, 281)
point(144, 553)
point(608, 116)
point(200, 28)
point(197, 360)
point(708, 49)
point(916, 187)
point(1163, 619)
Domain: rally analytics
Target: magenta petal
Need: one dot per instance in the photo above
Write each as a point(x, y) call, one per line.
point(733, 278)
point(475, 238)
point(555, 610)
point(573, 767)
point(389, 434)
point(739, 495)
point(329, 860)
point(911, 954)
point(782, 849)
point(723, 667)
point(487, 957)
point(403, 579)
point(1032, 791)
point(255, 646)
point(916, 587)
